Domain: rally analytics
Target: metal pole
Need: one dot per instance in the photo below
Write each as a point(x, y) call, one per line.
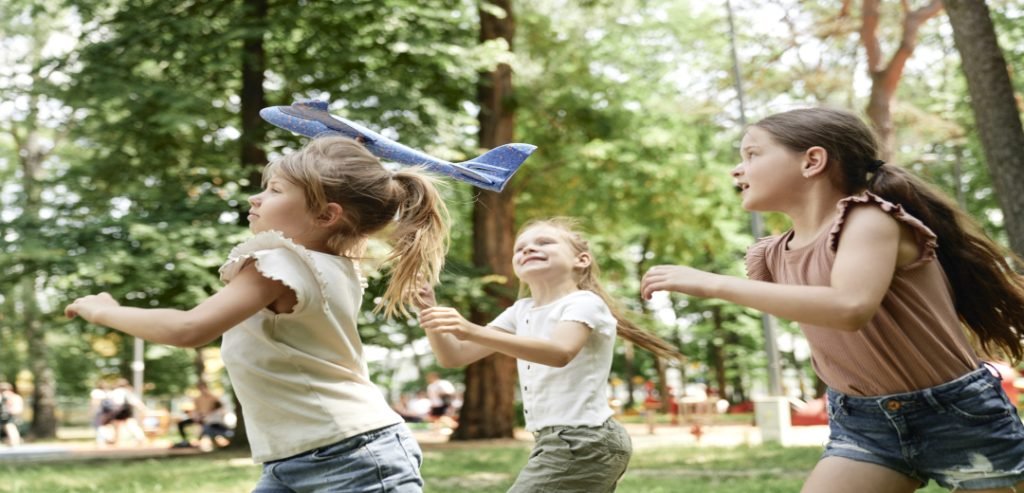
point(138, 365)
point(771, 345)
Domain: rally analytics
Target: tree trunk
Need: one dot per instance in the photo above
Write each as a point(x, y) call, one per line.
point(718, 351)
point(630, 370)
point(994, 106)
point(252, 155)
point(252, 97)
point(199, 365)
point(885, 79)
point(663, 389)
point(44, 383)
point(488, 409)
point(739, 392)
point(31, 156)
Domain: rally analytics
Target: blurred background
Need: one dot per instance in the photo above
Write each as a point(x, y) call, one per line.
point(130, 140)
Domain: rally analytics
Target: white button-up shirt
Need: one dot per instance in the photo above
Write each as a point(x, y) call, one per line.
point(576, 394)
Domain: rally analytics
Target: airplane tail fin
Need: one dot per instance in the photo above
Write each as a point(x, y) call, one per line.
point(494, 168)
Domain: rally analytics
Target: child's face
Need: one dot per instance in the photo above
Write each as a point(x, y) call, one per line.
point(767, 173)
point(543, 252)
point(281, 206)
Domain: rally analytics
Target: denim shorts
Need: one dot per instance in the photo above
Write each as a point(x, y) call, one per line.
point(962, 434)
point(576, 459)
point(384, 460)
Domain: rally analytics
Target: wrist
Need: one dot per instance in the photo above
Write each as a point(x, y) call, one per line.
point(715, 286)
point(98, 316)
point(473, 332)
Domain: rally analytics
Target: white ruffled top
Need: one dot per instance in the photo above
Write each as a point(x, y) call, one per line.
point(301, 376)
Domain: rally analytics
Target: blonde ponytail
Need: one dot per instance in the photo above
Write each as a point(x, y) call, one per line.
point(419, 239)
point(336, 169)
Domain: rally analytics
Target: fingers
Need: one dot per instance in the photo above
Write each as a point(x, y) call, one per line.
point(651, 282)
point(83, 305)
point(649, 287)
point(436, 317)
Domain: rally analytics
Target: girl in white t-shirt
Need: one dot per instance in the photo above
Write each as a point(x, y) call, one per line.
point(562, 336)
point(288, 315)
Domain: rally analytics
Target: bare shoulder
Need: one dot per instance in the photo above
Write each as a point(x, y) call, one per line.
point(872, 224)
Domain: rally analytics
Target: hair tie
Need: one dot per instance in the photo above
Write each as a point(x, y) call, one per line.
point(875, 165)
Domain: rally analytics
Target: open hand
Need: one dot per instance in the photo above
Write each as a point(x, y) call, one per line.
point(679, 278)
point(87, 307)
point(446, 320)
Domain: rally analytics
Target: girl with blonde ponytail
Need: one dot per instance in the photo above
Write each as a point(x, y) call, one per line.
point(563, 335)
point(288, 317)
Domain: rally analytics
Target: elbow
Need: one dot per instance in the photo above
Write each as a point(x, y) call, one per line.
point(191, 333)
point(192, 343)
point(562, 359)
point(446, 359)
point(854, 316)
point(195, 340)
point(188, 341)
point(446, 362)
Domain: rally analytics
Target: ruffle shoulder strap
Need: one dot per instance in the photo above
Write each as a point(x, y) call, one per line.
point(757, 260)
point(926, 239)
point(280, 259)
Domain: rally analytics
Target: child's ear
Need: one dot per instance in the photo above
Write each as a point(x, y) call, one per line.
point(583, 260)
point(331, 215)
point(815, 161)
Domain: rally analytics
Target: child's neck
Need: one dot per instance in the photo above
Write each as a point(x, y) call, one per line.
point(544, 291)
point(813, 215)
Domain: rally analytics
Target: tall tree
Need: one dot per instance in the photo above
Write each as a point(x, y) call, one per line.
point(253, 157)
point(34, 144)
point(995, 108)
point(885, 75)
point(488, 409)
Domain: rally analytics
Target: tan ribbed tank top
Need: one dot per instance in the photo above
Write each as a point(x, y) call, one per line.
point(914, 341)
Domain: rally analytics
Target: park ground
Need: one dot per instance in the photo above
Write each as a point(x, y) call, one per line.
point(727, 458)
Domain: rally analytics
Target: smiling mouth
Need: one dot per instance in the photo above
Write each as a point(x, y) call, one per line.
point(740, 187)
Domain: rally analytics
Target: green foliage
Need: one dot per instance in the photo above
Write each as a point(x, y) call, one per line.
point(147, 191)
point(632, 105)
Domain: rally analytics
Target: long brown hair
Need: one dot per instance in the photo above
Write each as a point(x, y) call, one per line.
point(588, 279)
point(340, 170)
point(988, 293)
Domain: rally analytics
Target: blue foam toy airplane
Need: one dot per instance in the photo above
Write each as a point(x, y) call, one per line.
point(490, 171)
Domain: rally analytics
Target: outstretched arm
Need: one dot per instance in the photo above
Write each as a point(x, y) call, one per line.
point(567, 338)
point(247, 293)
point(449, 351)
point(863, 270)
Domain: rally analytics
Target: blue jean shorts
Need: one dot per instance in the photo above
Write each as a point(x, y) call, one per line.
point(962, 434)
point(384, 460)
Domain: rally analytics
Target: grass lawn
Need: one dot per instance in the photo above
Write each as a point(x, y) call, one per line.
point(458, 467)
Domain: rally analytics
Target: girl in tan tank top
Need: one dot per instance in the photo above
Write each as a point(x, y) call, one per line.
point(879, 270)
